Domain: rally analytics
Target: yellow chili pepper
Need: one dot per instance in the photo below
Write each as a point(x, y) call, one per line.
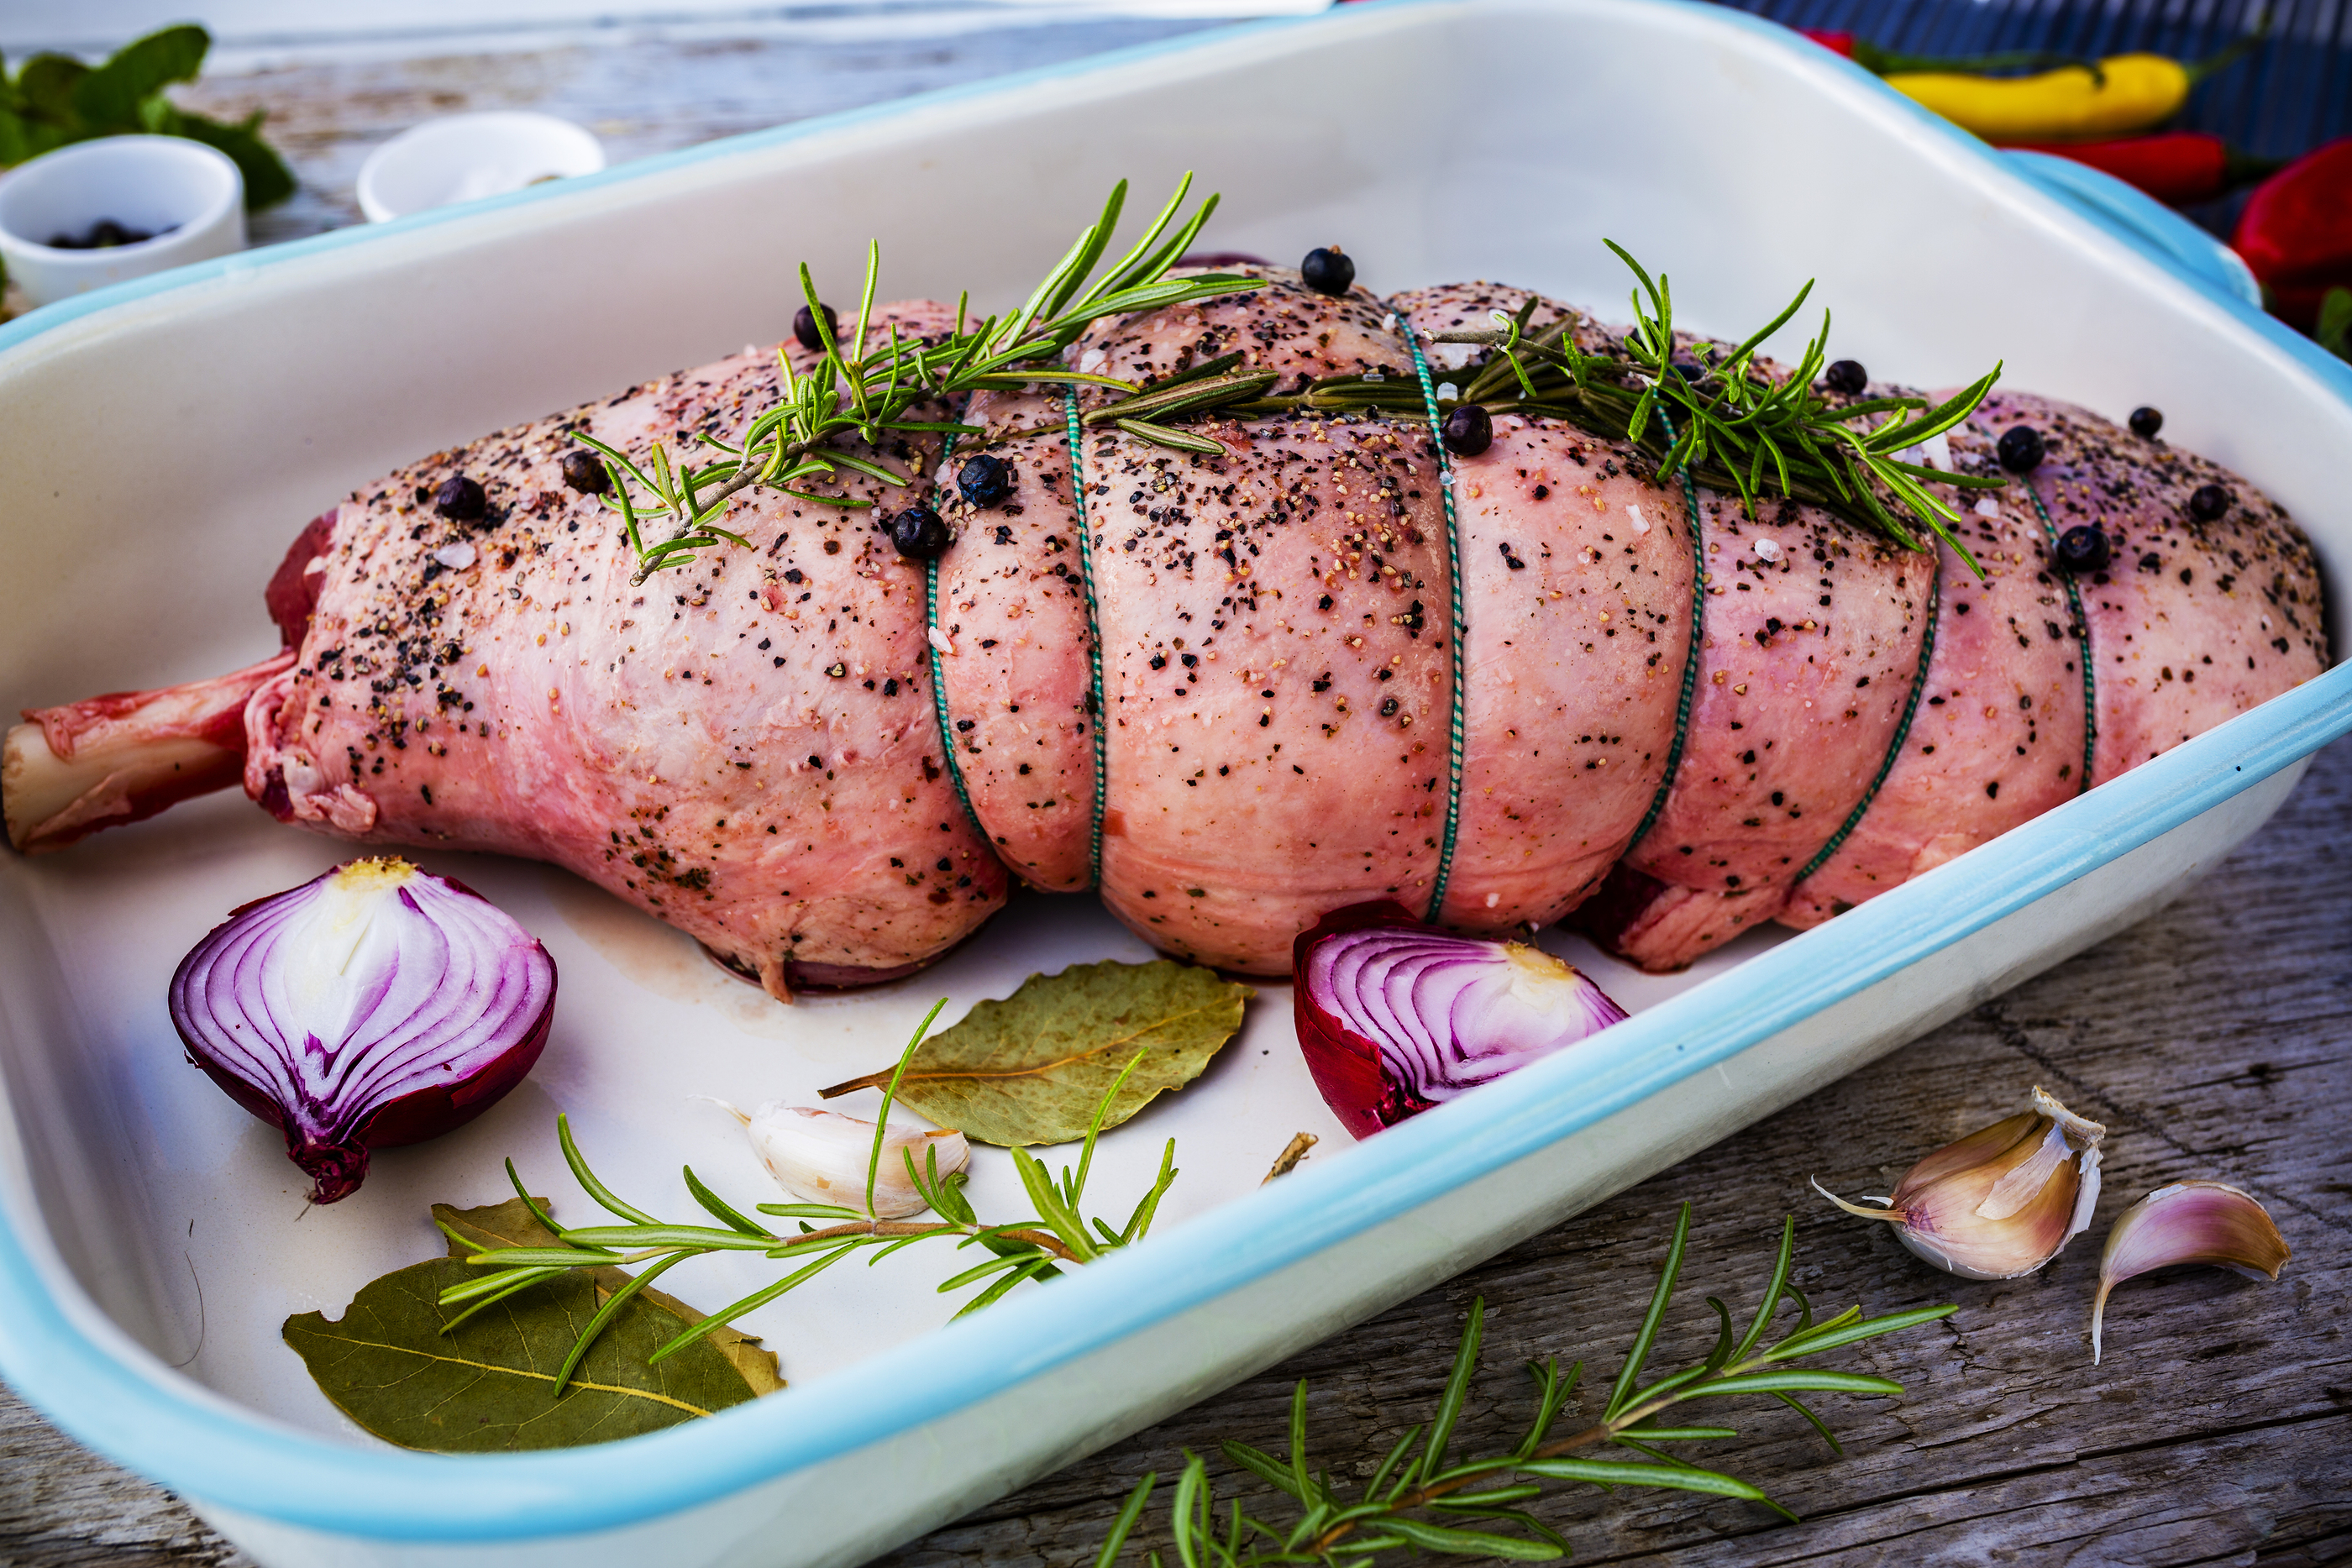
point(2127, 94)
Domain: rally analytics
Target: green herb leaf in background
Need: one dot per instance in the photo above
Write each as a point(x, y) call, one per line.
point(487, 1385)
point(1032, 1068)
point(55, 100)
point(2335, 331)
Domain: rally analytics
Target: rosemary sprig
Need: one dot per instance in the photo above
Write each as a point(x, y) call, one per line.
point(1731, 423)
point(1736, 428)
point(1040, 1248)
point(861, 387)
point(1419, 1495)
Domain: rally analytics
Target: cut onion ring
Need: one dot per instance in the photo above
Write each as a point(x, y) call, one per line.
point(1395, 1015)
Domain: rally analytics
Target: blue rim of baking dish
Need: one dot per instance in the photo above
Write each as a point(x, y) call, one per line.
point(180, 1434)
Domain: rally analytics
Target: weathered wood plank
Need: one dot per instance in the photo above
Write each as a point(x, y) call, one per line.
point(657, 91)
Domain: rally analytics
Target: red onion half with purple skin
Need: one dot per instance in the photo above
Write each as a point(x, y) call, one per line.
point(1395, 1015)
point(374, 1006)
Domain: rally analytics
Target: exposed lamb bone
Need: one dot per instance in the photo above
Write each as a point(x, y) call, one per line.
point(107, 760)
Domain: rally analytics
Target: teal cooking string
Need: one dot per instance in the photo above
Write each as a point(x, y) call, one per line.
point(1100, 711)
point(1456, 723)
point(1902, 728)
point(1690, 665)
point(2082, 636)
point(934, 636)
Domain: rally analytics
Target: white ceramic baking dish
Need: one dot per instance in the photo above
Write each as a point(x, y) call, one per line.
point(159, 443)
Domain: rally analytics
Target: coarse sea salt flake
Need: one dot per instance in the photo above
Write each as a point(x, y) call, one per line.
point(940, 641)
point(1641, 523)
point(457, 557)
point(1091, 360)
point(1767, 549)
point(1987, 507)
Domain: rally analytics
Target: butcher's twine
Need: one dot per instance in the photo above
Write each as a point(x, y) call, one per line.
point(1902, 728)
point(1098, 710)
point(1457, 722)
point(1690, 662)
point(931, 634)
point(1457, 725)
point(2082, 634)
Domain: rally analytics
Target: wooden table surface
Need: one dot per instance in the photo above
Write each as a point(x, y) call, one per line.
point(2212, 1039)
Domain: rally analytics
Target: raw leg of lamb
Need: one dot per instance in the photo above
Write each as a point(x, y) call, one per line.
point(750, 747)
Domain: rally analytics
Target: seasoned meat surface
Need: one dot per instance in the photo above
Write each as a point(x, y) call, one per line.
point(750, 747)
point(1809, 646)
point(744, 747)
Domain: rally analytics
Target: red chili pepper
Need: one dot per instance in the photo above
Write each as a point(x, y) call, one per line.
point(2296, 232)
point(2176, 166)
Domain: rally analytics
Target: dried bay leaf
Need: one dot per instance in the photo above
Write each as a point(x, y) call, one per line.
point(1032, 1069)
point(509, 1224)
point(487, 1387)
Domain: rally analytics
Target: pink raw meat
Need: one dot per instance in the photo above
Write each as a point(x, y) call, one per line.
point(745, 748)
point(750, 747)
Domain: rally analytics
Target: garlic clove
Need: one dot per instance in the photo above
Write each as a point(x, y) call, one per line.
point(2002, 1201)
point(821, 1156)
point(2188, 1222)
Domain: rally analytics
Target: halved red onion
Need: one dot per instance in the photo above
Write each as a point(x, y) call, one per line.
point(374, 1006)
point(1395, 1015)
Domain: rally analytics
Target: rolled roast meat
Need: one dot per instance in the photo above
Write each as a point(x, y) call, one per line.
point(1677, 720)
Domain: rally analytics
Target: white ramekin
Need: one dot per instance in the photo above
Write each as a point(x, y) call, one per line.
point(153, 183)
point(464, 157)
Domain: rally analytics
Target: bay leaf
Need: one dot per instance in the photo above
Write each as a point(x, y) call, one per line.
point(1032, 1069)
point(509, 1224)
point(488, 1386)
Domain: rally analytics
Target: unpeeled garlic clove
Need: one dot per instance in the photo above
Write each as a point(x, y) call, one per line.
point(2188, 1222)
point(822, 1156)
point(2002, 1201)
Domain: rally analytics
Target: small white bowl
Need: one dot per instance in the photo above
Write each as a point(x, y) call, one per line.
point(188, 195)
point(464, 157)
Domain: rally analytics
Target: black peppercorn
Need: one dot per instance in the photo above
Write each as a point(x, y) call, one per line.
point(2084, 550)
point(2146, 422)
point(1326, 271)
point(585, 473)
point(985, 481)
point(459, 499)
point(805, 330)
point(919, 534)
point(1468, 431)
point(2021, 449)
point(2208, 502)
point(1847, 376)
